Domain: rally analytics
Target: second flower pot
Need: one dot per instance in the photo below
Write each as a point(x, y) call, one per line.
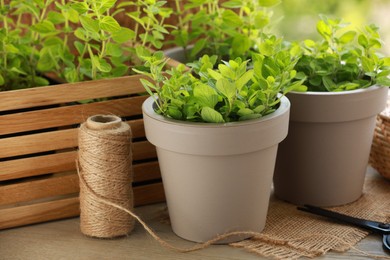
point(324, 158)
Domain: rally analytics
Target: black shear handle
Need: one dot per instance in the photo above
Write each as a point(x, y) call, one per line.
point(375, 226)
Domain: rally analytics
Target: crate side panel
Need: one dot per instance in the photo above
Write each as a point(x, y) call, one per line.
point(68, 115)
point(70, 92)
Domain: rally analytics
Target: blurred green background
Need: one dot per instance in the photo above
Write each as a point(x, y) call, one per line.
point(298, 18)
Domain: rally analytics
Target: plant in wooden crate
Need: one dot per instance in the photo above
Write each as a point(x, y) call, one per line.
point(227, 29)
point(77, 41)
point(324, 158)
point(216, 134)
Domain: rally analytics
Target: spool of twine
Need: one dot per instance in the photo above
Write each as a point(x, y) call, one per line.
point(104, 166)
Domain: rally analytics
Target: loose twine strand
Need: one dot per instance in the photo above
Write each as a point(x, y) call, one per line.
point(112, 148)
point(219, 237)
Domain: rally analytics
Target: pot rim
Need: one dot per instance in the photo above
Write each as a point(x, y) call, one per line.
point(337, 93)
point(147, 107)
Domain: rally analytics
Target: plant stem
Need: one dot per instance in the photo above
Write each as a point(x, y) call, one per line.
point(93, 70)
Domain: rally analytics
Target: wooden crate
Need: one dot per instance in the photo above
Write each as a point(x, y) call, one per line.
point(38, 147)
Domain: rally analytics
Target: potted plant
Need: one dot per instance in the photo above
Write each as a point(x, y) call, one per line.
point(216, 133)
point(323, 160)
point(228, 29)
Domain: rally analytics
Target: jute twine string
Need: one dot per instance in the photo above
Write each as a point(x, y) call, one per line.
point(104, 163)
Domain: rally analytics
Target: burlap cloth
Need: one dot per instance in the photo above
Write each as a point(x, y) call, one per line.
point(291, 234)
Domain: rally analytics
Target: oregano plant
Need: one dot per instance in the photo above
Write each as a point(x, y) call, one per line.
point(344, 58)
point(74, 40)
point(28, 48)
point(232, 92)
point(229, 29)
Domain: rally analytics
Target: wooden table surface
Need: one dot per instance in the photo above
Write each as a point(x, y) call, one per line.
point(63, 240)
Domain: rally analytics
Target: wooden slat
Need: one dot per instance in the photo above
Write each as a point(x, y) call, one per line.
point(61, 185)
point(51, 141)
point(143, 150)
point(69, 207)
point(63, 93)
point(38, 189)
point(61, 162)
point(146, 171)
point(36, 143)
point(18, 216)
point(38, 165)
point(137, 128)
point(68, 115)
point(149, 194)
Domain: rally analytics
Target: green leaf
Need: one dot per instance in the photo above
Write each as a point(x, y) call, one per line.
point(226, 72)
point(81, 34)
point(232, 4)
point(259, 109)
point(43, 27)
point(123, 35)
point(45, 62)
point(328, 83)
point(240, 45)
point(368, 64)
point(205, 95)
point(89, 24)
point(215, 75)
point(39, 81)
point(55, 17)
point(227, 88)
point(261, 20)
point(245, 78)
point(231, 19)
point(109, 24)
point(198, 46)
point(101, 64)
point(80, 7)
point(324, 29)
point(174, 112)
point(269, 3)
point(383, 81)
point(245, 111)
point(10, 48)
point(362, 40)
point(106, 4)
point(114, 50)
point(347, 37)
point(148, 86)
point(212, 116)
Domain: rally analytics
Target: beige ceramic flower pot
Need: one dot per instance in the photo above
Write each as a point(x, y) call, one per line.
point(324, 158)
point(217, 177)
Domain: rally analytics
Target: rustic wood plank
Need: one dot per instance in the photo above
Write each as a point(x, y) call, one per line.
point(61, 162)
point(63, 93)
point(64, 184)
point(143, 150)
point(38, 189)
point(149, 194)
point(68, 115)
point(36, 143)
point(19, 216)
point(56, 140)
point(38, 165)
point(69, 207)
point(146, 171)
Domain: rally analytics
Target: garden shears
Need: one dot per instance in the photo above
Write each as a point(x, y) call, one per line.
point(377, 227)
